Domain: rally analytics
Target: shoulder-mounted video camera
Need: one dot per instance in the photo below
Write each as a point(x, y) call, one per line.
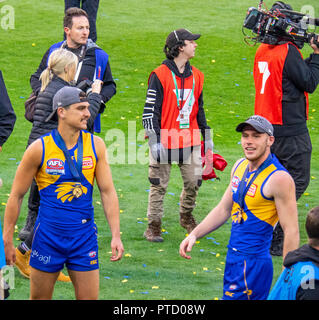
point(278, 25)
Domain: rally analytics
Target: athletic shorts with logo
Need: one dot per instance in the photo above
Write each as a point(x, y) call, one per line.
point(52, 249)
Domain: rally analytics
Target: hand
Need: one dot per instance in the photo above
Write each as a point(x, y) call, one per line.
point(208, 145)
point(314, 46)
point(186, 246)
point(117, 249)
point(159, 153)
point(97, 86)
point(10, 253)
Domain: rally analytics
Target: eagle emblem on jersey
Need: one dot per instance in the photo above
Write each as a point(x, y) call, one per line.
point(65, 191)
point(238, 215)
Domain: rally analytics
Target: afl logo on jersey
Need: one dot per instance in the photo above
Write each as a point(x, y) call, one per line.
point(55, 167)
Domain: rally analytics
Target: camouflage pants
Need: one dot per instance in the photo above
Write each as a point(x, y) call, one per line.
point(159, 174)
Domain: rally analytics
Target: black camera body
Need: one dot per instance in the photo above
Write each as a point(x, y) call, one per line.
point(86, 86)
point(280, 25)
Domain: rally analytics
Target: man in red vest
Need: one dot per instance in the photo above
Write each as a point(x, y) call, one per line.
point(282, 82)
point(174, 120)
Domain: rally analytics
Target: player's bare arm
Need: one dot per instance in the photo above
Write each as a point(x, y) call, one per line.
point(25, 173)
point(109, 198)
point(282, 188)
point(216, 218)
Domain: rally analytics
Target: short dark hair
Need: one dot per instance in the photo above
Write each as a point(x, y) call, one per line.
point(173, 52)
point(73, 12)
point(312, 226)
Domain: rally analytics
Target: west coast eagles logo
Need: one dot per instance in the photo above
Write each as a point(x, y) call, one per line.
point(238, 215)
point(65, 191)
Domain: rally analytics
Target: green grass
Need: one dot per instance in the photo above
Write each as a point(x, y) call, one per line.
point(133, 33)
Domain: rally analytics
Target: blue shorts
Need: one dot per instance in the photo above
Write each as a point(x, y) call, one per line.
point(52, 248)
point(247, 277)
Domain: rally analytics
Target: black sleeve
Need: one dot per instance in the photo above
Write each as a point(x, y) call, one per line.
point(153, 106)
point(95, 104)
point(7, 115)
point(109, 86)
point(303, 73)
point(201, 119)
point(35, 78)
point(309, 293)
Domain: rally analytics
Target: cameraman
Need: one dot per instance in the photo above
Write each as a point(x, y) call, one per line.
point(282, 82)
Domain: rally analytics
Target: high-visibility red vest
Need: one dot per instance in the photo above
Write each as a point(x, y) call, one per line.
point(268, 73)
point(172, 137)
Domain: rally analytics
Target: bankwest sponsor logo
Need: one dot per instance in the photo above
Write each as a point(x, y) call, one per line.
point(87, 163)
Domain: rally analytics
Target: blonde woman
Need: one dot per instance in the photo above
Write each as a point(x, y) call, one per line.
point(61, 70)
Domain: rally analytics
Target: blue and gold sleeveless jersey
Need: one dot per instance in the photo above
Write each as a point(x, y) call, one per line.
point(58, 206)
point(252, 233)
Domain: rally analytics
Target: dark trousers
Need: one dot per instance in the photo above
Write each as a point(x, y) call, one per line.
point(90, 7)
point(294, 153)
point(33, 206)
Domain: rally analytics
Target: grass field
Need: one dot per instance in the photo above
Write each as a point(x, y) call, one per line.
point(133, 34)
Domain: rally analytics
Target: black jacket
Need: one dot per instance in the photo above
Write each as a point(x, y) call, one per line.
point(298, 76)
point(7, 115)
point(43, 109)
point(87, 72)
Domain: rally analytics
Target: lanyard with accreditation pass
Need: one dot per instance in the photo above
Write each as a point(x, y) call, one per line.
point(184, 113)
point(242, 190)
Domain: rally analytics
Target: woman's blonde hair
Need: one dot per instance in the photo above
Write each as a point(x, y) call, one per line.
point(58, 60)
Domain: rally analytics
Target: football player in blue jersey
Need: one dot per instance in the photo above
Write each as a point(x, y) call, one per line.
point(65, 163)
point(260, 193)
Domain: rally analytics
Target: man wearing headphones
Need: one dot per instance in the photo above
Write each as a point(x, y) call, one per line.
point(174, 119)
point(282, 82)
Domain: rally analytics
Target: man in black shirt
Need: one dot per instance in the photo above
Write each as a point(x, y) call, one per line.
point(7, 115)
point(7, 122)
point(282, 81)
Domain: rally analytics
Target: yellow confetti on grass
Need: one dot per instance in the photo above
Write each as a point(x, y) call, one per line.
point(132, 291)
point(128, 255)
point(306, 194)
point(3, 203)
point(125, 280)
point(155, 287)
point(217, 255)
point(205, 269)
